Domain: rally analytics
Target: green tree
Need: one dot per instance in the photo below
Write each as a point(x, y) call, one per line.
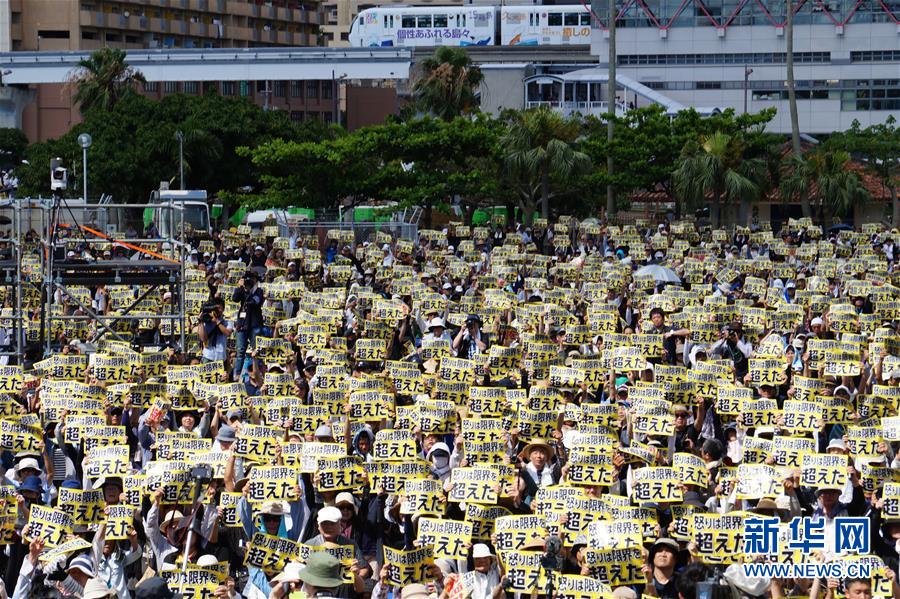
point(446, 87)
point(824, 176)
point(135, 148)
point(878, 146)
point(102, 79)
point(13, 144)
point(540, 147)
point(648, 144)
point(717, 166)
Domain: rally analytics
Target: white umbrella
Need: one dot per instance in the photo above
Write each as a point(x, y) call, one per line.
point(660, 274)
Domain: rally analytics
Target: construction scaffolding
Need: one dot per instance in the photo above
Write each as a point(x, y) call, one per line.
point(50, 273)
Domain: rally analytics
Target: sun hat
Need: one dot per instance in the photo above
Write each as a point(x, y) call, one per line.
point(536, 444)
point(755, 587)
point(153, 588)
point(173, 517)
point(32, 484)
point(274, 508)
point(97, 589)
point(415, 591)
point(204, 561)
point(329, 514)
point(226, 434)
point(481, 550)
point(323, 432)
point(291, 573)
point(28, 463)
point(436, 322)
point(82, 562)
point(322, 570)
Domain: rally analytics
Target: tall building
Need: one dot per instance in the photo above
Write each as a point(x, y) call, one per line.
point(731, 53)
point(60, 25)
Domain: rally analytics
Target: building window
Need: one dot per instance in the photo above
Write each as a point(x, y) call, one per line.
point(113, 37)
point(281, 89)
point(170, 87)
point(245, 89)
point(151, 87)
point(326, 116)
point(296, 89)
point(51, 34)
point(132, 39)
point(709, 85)
point(312, 89)
point(296, 115)
point(191, 87)
point(228, 88)
point(312, 116)
point(326, 90)
point(88, 35)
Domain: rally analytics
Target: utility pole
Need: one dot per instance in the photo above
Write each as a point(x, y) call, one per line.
point(747, 72)
point(611, 93)
point(180, 137)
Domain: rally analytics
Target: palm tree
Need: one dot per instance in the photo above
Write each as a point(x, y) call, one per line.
point(447, 86)
point(717, 165)
point(792, 96)
point(539, 146)
point(825, 176)
point(102, 79)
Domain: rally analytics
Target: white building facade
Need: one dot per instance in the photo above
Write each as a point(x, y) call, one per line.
point(731, 53)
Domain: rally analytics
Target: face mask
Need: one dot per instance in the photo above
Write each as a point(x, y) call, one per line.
point(441, 461)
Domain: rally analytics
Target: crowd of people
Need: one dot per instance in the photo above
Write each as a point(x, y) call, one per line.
point(572, 409)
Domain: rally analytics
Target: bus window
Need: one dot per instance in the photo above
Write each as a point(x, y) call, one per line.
point(464, 20)
point(585, 19)
point(392, 21)
point(408, 22)
point(571, 18)
point(423, 21)
point(385, 22)
point(554, 19)
point(440, 21)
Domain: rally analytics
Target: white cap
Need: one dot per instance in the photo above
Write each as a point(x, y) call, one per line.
point(817, 321)
point(207, 560)
point(448, 286)
point(481, 550)
point(167, 295)
point(70, 254)
point(837, 444)
point(329, 514)
point(259, 248)
point(385, 248)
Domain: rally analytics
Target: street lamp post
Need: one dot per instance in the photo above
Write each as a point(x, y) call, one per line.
point(180, 136)
point(85, 141)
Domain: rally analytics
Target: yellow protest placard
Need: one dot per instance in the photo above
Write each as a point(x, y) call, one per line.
point(475, 485)
point(408, 567)
point(118, 522)
point(48, 524)
point(449, 539)
point(269, 553)
point(272, 483)
point(83, 507)
point(656, 485)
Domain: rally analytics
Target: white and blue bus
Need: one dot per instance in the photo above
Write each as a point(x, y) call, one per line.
point(472, 26)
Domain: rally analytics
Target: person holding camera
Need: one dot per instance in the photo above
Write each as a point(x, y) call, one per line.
point(214, 331)
point(470, 341)
point(250, 320)
point(732, 346)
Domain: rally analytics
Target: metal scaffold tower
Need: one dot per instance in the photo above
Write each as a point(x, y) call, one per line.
point(53, 262)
